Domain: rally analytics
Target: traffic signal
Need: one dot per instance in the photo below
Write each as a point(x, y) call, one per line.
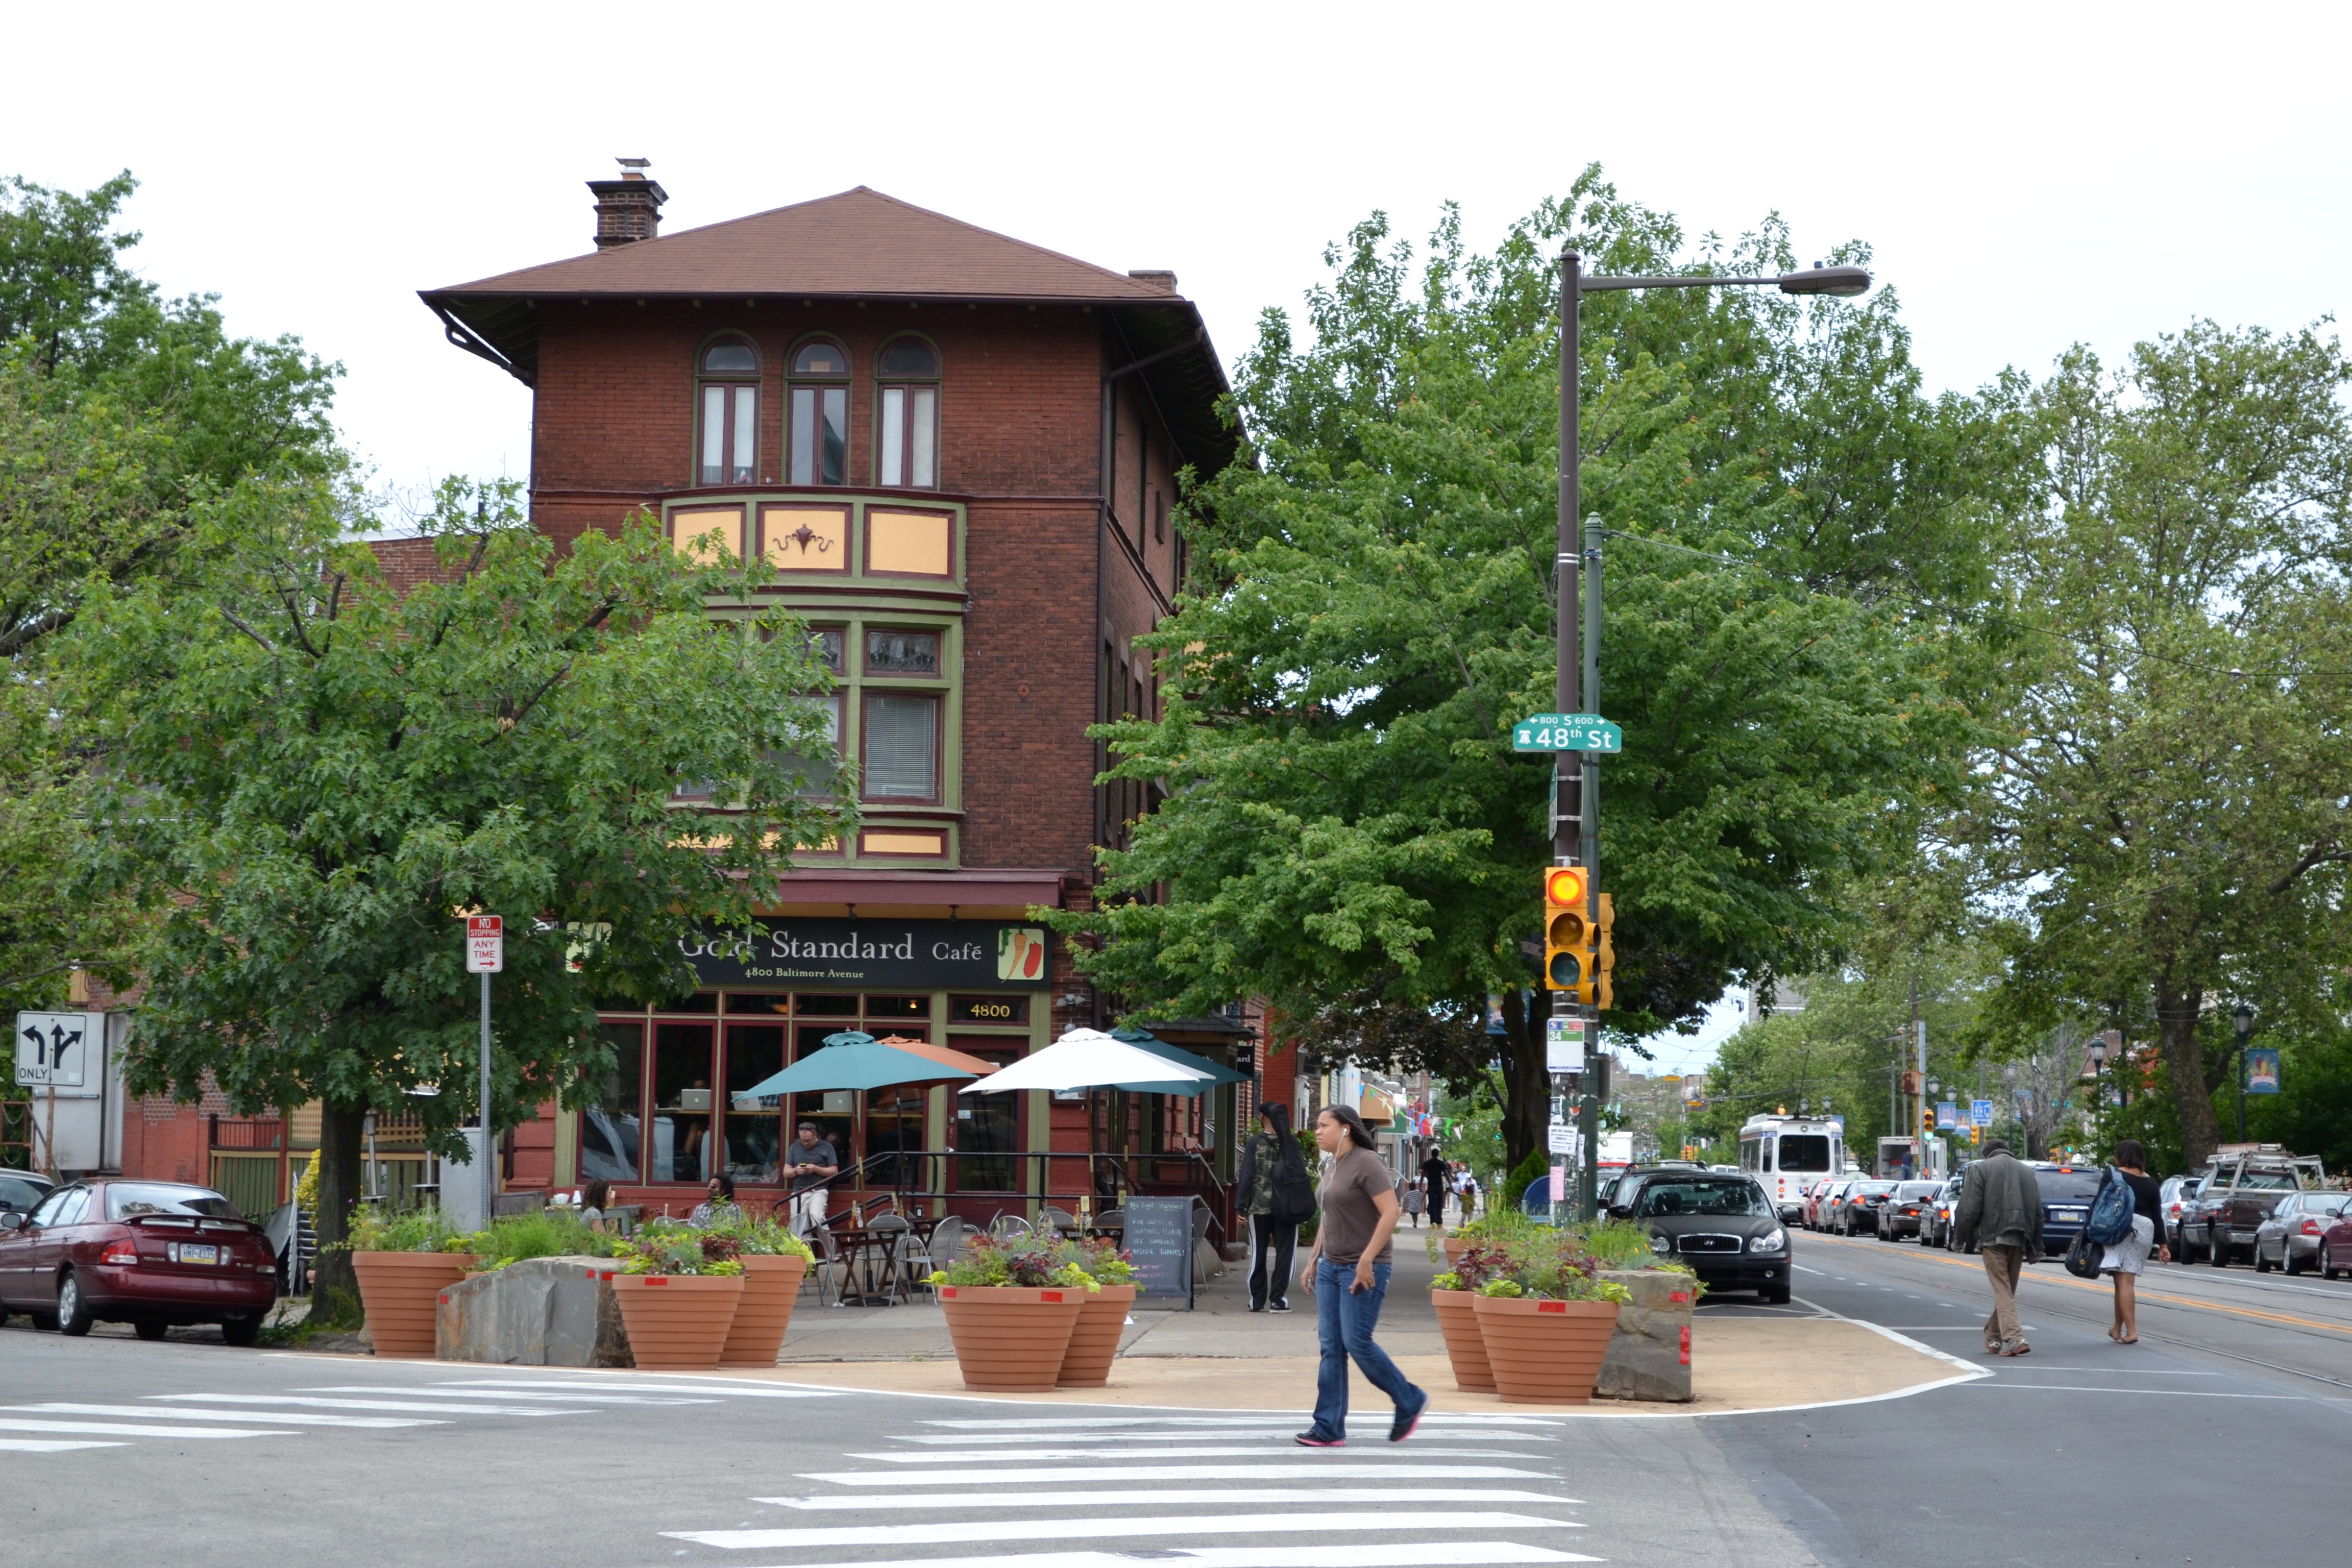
point(1606, 955)
point(1569, 959)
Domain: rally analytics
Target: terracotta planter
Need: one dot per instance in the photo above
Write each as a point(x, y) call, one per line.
point(1454, 1248)
point(771, 1284)
point(1009, 1339)
point(400, 1294)
point(1094, 1343)
point(677, 1322)
point(1465, 1347)
point(1545, 1352)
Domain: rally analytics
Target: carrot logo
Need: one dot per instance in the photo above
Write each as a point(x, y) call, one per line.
point(1019, 952)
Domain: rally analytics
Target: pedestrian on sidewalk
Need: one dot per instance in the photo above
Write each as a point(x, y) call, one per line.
point(1436, 1177)
point(2124, 1261)
point(1272, 1164)
point(1409, 1194)
point(1347, 1273)
point(2000, 1213)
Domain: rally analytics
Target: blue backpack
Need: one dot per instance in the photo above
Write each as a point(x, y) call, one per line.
point(2112, 1210)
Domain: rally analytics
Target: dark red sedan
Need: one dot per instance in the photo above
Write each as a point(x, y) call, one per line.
point(151, 1254)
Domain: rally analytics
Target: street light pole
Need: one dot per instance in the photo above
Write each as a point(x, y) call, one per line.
point(1576, 811)
point(2243, 1017)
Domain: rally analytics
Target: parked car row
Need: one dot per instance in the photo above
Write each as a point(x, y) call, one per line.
point(1723, 1224)
point(155, 1255)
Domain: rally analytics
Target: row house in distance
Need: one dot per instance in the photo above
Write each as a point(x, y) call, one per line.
point(960, 452)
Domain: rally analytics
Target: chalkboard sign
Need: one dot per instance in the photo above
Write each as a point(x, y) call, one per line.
point(1159, 1235)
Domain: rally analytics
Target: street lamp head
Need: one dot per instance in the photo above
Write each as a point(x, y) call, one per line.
point(2098, 1054)
point(1843, 282)
point(2243, 1017)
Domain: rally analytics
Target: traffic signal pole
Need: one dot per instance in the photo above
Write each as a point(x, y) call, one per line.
point(1574, 829)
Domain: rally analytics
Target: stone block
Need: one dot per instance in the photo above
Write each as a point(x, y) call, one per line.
point(542, 1311)
point(1649, 1356)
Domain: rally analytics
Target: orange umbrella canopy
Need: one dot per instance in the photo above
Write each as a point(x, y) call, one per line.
point(978, 1066)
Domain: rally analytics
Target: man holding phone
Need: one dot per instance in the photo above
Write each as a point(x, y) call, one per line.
point(811, 1165)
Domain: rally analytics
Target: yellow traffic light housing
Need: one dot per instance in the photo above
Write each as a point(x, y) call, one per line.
point(1569, 961)
point(1605, 954)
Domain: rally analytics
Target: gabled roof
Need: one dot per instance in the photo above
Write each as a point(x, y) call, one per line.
point(857, 245)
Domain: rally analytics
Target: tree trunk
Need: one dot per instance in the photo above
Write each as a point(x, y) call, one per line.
point(1527, 1087)
point(334, 1292)
point(2184, 1059)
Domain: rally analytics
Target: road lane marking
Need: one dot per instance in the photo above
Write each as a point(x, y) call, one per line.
point(410, 1405)
point(1270, 1434)
point(2167, 1393)
point(289, 1418)
point(1426, 1554)
point(1433, 1418)
point(1169, 1495)
point(581, 1390)
point(454, 1393)
point(1222, 1451)
point(944, 1532)
point(37, 1446)
point(118, 1429)
point(1349, 1471)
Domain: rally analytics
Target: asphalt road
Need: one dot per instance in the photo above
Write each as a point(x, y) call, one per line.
point(2218, 1444)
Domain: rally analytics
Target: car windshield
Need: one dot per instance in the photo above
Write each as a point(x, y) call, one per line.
point(1805, 1152)
point(2067, 1186)
point(1873, 1189)
point(2326, 1202)
point(1710, 1197)
point(128, 1200)
point(2267, 1182)
point(1919, 1189)
point(17, 1193)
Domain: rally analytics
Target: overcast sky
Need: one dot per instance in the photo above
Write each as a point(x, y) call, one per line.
point(2029, 174)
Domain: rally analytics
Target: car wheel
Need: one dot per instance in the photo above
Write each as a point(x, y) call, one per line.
point(2220, 1257)
point(73, 1309)
point(149, 1329)
point(241, 1331)
point(2286, 1260)
point(2262, 1264)
point(2327, 1263)
point(1774, 1295)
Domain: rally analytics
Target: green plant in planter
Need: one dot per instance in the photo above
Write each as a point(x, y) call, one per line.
point(761, 1237)
point(1552, 1266)
point(1026, 1261)
point(677, 1249)
point(1102, 1261)
point(543, 1232)
point(405, 1230)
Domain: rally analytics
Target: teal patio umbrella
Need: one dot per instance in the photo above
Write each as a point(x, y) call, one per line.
point(854, 1060)
point(1184, 1058)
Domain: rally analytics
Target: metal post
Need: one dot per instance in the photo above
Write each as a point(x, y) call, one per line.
point(1567, 804)
point(2241, 1088)
point(484, 1156)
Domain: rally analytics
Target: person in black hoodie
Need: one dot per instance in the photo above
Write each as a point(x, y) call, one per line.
point(2123, 1260)
point(1269, 1155)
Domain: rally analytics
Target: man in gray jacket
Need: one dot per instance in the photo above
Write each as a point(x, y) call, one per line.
point(2000, 1212)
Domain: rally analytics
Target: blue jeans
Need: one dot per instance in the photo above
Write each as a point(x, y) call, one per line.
point(1343, 1323)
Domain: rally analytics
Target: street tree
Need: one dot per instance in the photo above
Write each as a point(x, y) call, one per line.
point(313, 777)
point(1341, 823)
point(2168, 799)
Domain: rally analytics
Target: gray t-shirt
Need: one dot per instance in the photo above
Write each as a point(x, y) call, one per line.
point(1349, 1214)
point(819, 1153)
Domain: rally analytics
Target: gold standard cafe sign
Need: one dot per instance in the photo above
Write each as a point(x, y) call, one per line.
point(869, 954)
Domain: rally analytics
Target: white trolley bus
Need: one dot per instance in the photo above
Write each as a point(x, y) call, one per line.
point(1784, 1152)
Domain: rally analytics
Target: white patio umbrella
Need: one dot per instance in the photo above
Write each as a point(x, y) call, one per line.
point(1087, 1058)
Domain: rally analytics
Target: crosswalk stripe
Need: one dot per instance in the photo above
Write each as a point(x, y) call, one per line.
point(744, 1390)
point(118, 1429)
point(36, 1445)
point(1434, 1418)
point(1272, 1434)
point(451, 1391)
point(995, 1456)
point(1422, 1555)
point(149, 1413)
point(1168, 1495)
point(1026, 1475)
point(1108, 1527)
point(413, 1407)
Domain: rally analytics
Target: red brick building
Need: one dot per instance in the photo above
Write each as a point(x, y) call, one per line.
point(960, 452)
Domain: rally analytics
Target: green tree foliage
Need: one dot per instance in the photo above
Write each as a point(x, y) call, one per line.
point(1347, 830)
point(314, 775)
point(2170, 797)
point(120, 411)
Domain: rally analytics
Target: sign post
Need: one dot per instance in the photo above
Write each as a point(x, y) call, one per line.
point(486, 954)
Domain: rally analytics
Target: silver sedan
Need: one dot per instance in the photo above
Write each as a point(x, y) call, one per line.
point(2289, 1239)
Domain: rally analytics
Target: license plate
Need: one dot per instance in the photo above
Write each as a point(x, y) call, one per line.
point(197, 1252)
point(2069, 1213)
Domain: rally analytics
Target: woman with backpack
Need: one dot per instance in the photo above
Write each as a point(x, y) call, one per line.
point(2126, 1257)
point(1274, 1187)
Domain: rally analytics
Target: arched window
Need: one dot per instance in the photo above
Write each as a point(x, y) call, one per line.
point(820, 432)
point(729, 378)
point(909, 436)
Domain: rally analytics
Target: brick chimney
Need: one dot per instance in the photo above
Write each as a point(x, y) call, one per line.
point(1151, 278)
point(627, 209)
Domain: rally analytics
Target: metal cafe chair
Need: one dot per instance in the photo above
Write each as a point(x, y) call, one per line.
point(1054, 1216)
point(909, 1261)
point(947, 1240)
point(1008, 1224)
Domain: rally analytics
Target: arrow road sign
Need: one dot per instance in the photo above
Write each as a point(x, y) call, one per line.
point(486, 943)
point(1566, 732)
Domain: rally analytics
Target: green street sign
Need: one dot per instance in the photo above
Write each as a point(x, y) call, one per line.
point(1566, 732)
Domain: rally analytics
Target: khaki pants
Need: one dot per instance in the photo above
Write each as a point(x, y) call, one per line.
point(2004, 1266)
point(809, 1210)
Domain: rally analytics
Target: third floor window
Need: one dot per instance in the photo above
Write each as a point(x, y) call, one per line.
point(729, 416)
point(909, 440)
point(819, 433)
